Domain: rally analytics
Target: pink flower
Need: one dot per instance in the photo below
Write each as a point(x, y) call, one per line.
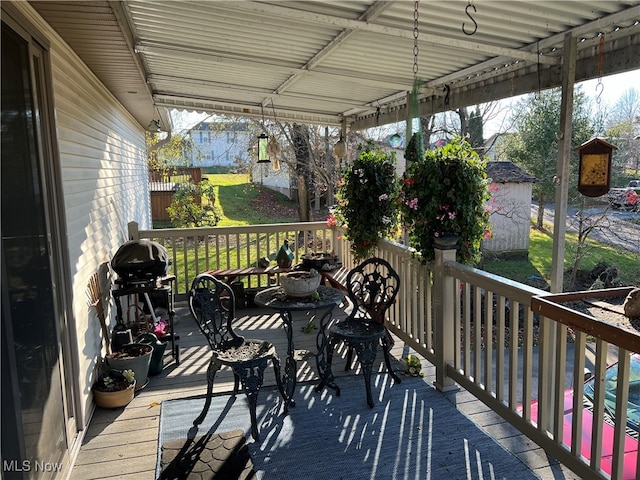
point(413, 203)
point(494, 188)
point(332, 221)
point(384, 196)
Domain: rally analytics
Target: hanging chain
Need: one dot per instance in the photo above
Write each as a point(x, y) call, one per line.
point(600, 85)
point(416, 32)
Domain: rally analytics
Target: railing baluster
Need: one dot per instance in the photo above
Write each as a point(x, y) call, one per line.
point(598, 401)
point(477, 335)
point(514, 318)
point(488, 341)
point(578, 381)
point(500, 346)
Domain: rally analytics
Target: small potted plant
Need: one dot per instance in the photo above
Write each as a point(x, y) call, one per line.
point(114, 388)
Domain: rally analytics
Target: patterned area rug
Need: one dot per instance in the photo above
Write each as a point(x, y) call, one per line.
point(412, 432)
point(222, 456)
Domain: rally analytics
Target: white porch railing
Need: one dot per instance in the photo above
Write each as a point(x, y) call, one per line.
point(478, 329)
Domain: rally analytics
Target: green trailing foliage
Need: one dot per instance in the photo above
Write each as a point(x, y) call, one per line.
point(443, 194)
point(367, 204)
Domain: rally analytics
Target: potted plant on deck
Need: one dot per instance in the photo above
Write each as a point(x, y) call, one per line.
point(366, 194)
point(114, 388)
point(135, 357)
point(443, 194)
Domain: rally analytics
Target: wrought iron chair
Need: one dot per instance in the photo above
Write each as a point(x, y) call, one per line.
point(212, 304)
point(372, 287)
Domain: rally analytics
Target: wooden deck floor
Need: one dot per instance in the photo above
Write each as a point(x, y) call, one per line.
point(122, 443)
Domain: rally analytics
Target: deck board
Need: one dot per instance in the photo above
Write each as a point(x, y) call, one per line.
point(122, 443)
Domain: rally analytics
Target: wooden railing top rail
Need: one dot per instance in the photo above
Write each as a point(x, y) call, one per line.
point(201, 231)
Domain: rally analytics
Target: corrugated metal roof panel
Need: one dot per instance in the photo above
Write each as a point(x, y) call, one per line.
point(324, 59)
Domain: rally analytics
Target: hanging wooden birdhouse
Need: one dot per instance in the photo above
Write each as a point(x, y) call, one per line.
point(594, 176)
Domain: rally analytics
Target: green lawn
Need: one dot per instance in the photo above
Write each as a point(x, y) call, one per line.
point(235, 194)
point(537, 270)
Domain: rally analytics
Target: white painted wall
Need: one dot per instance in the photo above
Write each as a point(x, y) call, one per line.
point(264, 174)
point(511, 220)
point(102, 157)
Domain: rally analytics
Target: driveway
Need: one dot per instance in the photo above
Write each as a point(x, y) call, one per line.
point(613, 227)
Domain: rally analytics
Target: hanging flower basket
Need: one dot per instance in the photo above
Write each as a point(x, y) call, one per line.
point(367, 205)
point(443, 195)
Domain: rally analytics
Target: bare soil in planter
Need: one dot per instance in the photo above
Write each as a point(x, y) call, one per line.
point(130, 351)
point(118, 385)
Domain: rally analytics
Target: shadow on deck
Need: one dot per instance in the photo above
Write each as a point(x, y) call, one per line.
point(123, 443)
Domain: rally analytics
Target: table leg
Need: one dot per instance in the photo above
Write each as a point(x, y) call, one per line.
point(290, 370)
point(325, 355)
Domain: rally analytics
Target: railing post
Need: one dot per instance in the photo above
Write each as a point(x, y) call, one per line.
point(444, 321)
point(337, 244)
point(134, 233)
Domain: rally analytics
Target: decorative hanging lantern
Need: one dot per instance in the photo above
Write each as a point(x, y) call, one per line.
point(340, 148)
point(395, 140)
point(594, 174)
point(263, 155)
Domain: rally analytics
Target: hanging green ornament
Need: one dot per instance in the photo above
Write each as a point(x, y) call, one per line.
point(415, 147)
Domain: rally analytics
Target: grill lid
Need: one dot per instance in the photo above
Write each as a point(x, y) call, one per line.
point(141, 260)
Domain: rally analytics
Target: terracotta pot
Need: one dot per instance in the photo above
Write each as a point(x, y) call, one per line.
point(116, 399)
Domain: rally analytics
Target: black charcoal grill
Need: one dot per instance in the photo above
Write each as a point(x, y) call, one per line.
point(142, 267)
point(140, 261)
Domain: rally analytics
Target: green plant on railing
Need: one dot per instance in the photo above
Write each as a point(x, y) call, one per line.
point(366, 196)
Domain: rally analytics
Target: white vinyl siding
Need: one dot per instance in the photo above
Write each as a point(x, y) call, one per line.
point(104, 180)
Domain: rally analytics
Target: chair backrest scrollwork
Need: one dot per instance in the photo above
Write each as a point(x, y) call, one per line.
point(212, 305)
point(372, 287)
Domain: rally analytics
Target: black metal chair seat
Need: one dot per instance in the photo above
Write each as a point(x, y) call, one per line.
point(249, 351)
point(357, 330)
point(372, 287)
point(212, 305)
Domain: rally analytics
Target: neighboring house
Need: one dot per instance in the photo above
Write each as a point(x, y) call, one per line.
point(221, 147)
point(74, 170)
point(510, 211)
point(279, 180)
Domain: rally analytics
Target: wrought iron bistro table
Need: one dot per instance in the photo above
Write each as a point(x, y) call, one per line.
point(276, 299)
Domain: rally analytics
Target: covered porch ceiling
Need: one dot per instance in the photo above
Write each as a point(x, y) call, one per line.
point(342, 62)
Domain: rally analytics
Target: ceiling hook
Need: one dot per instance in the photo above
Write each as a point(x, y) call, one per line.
point(475, 25)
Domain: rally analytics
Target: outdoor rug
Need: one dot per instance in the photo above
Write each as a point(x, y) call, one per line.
point(412, 432)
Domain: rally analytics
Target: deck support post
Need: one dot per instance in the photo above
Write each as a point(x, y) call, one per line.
point(443, 309)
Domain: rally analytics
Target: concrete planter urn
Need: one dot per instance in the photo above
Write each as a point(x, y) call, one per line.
point(300, 284)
